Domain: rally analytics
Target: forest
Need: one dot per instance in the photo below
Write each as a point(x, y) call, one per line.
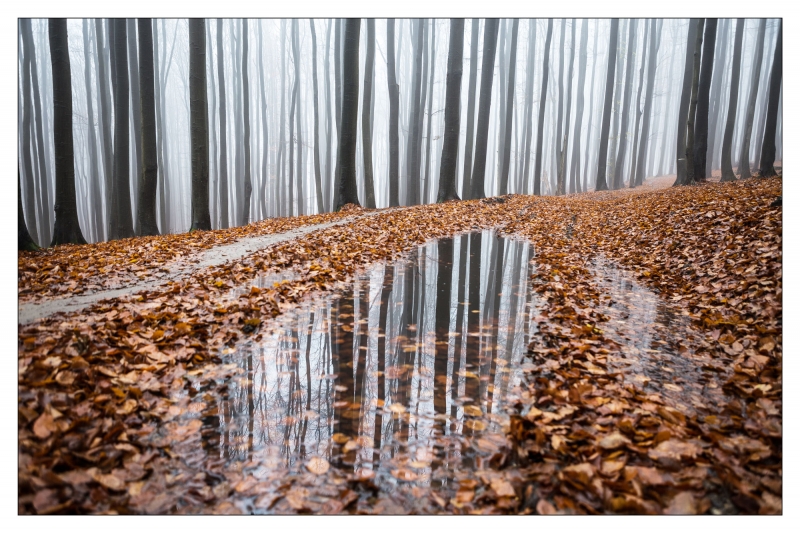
point(400, 266)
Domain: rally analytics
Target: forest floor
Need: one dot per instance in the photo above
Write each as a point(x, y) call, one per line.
point(114, 392)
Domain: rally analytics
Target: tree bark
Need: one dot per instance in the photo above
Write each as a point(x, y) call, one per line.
point(563, 152)
point(412, 167)
point(600, 182)
point(121, 206)
point(733, 102)
point(770, 128)
point(432, 65)
point(317, 171)
point(466, 185)
point(201, 219)
point(744, 155)
point(292, 111)
point(394, 117)
point(636, 132)
point(690, 128)
point(560, 120)
point(281, 189)
point(328, 132)
point(337, 84)
point(366, 113)
point(348, 191)
point(655, 38)
point(212, 123)
point(27, 112)
point(482, 133)
point(248, 182)
point(67, 229)
point(683, 110)
point(452, 114)
point(619, 167)
point(575, 167)
point(512, 73)
point(223, 132)
point(104, 119)
point(94, 172)
point(537, 173)
point(146, 208)
point(703, 95)
point(715, 96)
point(136, 113)
point(589, 129)
point(24, 240)
point(529, 71)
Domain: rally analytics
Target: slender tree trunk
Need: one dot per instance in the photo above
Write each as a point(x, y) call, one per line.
point(212, 123)
point(282, 192)
point(248, 182)
point(733, 102)
point(744, 155)
point(715, 95)
point(432, 63)
point(500, 110)
point(615, 118)
point(575, 167)
point(703, 95)
point(768, 145)
point(24, 240)
point(201, 219)
point(122, 189)
point(301, 194)
point(619, 167)
point(104, 119)
point(27, 110)
point(482, 132)
point(690, 131)
point(412, 167)
point(328, 132)
point(394, 115)
point(146, 214)
point(636, 131)
point(600, 182)
point(96, 215)
point(317, 171)
point(366, 114)
point(530, 67)
point(223, 129)
point(512, 73)
point(560, 120)
point(683, 109)
point(337, 84)
point(452, 114)
point(348, 193)
point(589, 129)
point(563, 152)
point(292, 110)
point(537, 173)
point(466, 186)
point(655, 38)
point(67, 229)
point(136, 114)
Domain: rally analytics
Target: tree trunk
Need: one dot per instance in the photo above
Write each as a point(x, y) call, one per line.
point(452, 114)
point(655, 38)
point(529, 71)
point(67, 229)
point(27, 112)
point(619, 167)
point(122, 190)
point(575, 167)
point(733, 102)
point(223, 131)
point(432, 63)
point(614, 134)
point(690, 143)
point(146, 214)
point(715, 98)
point(394, 116)
point(337, 79)
point(366, 114)
point(412, 165)
point(136, 114)
point(348, 193)
point(473, 79)
point(586, 163)
point(537, 173)
point(482, 133)
point(328, 132)
point(212, 123)
point(512, 73)
point(104, 119)
point(317, 171)
point(94, 172)
point(600, 182)
point(563, 152)
point(560, 120)
point(248, 182)
point(292, 111)
point(201, 219)
point(683, 110)
point(744, 155)
point(301, 195)
point(703, 95)
point(636, 132)
point(24, 240)
point(770, 128)
point(281, 188)
point(500, 109)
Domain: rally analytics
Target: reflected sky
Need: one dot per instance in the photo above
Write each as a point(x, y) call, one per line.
point(403, 376)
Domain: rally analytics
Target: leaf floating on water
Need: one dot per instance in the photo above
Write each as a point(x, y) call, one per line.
point(404, 474)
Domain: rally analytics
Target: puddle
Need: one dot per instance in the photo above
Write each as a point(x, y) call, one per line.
point(403, 377)
point(657, 341)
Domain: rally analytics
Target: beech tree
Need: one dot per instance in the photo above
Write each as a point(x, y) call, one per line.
point(537, 173)
point(201, 219)
point(512, 71)
point(703, 95)
point(248, 182)
point(744, 155)
point(733, 102)
point(121, 217)
point(600, 182)
point(348, 191)
point(690, 167)
point(770, 128)
point(366, 123)
point(146, 208)
point(482, 133)
point(683, 109)
point(452, 113)
point(394, 117)
point(66, 229)
point(466, 184)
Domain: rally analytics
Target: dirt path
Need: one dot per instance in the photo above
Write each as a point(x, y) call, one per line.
point(31, 312)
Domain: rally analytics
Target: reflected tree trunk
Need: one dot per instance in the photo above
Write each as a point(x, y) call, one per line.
point(444, 282)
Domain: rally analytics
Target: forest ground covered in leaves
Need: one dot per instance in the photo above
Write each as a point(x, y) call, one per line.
point(105, 424)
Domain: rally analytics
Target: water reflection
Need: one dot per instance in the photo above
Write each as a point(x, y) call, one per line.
point(395, 376)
